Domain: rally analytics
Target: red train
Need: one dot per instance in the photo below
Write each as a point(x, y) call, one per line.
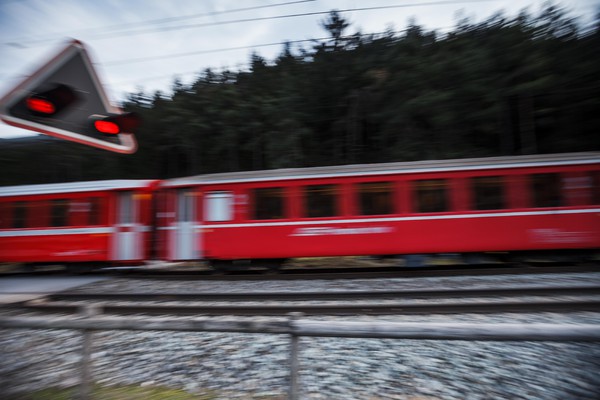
point(103, 221)
point(468, 206)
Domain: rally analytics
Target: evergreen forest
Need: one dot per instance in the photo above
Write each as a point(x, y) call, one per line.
point(524, 84)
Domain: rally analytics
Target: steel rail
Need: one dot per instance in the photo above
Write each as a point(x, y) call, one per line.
point(353, 272)
point(334, 295)
point(371, 272)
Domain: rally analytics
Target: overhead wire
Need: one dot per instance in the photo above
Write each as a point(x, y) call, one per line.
point(196, 52)
point(119, 27)
point(289, 42)
point(248, 47)
point(158, 29)
point(106, 35)
point(285, 16)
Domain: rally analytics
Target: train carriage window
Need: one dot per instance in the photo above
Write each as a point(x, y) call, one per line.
point(431, 195)
point(595, 187)
point(268, 203)
point(59, 212)
point(320, 201)
point(546, 190)
point(488, 193)
point(126, 208)
point(375, 198)
point(4, 215)
point(37, 214)
point(218, 206)
point(186, 203)
point(19, 214)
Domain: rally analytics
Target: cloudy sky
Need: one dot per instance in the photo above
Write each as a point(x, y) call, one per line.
point(144, 44)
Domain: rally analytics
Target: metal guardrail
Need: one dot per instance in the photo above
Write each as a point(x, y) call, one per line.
point(296, 327)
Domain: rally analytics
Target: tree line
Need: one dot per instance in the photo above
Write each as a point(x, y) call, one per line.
point(505, 86)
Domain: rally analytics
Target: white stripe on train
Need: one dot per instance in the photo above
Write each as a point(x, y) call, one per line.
point(67, 231)
point(399, 219)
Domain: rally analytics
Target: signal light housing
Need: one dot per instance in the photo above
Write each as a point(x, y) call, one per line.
point(51, 102)
point(58, 98)
point(114, 124)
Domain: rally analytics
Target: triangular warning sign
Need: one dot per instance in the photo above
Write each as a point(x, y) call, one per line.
point(65, 99)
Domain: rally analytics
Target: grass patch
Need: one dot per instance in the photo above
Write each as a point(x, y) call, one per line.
point(115, 393)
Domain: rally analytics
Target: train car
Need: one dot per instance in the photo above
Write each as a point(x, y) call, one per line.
point(467, 206)
point(75, 223)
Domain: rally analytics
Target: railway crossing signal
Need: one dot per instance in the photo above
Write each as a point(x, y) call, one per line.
point(65, 99)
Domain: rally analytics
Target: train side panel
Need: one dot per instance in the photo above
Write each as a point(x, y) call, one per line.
point(55, 228)
point(485, 233)
point(546, 208)
point(55, 246)
point(77, 222)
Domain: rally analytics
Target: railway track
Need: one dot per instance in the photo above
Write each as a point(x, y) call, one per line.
point(333, 295)
point(379, 272)
point(504, 300)
point(340, 272)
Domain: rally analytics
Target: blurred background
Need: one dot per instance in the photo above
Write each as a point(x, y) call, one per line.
point(228, 86)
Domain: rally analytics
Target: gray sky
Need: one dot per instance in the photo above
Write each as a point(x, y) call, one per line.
point(144, 44)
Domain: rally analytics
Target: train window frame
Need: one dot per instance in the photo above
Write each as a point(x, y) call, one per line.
point(482, 186)
point(59, 212)
point(546, 190)
point(431, 195)
point(95, 211)
point(369, 198)
point(268, 203)
point(323, 205)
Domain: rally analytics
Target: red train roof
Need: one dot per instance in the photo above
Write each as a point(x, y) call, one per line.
point(390, 168)
point(75, 187)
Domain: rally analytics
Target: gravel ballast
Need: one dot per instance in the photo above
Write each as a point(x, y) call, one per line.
point(255, 366)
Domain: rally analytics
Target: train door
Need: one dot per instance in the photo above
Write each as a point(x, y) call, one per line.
point(186, 240)
point(128, 236)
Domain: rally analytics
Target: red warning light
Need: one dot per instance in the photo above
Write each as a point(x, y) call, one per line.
point(41, 106)
point(52, 101)
point(114, 124)
point(107, 127)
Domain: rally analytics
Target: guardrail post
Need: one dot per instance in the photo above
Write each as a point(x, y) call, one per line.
point(87, 311)
point(294, 363)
